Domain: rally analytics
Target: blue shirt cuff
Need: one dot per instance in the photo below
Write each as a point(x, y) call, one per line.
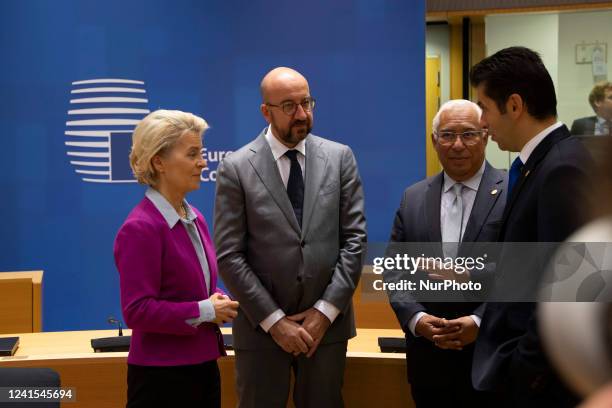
point(207, 313)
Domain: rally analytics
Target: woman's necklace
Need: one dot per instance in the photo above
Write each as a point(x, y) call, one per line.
point(183, 211)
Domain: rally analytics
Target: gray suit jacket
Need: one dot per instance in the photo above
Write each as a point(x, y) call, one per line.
point(266, 261)
point(584, 126)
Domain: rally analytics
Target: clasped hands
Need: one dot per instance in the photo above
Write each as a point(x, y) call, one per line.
point(447, 334)
point(300, 333)
point(226, 309)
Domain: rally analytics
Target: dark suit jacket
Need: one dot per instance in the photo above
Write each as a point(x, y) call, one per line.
point(546, 205)
point(418, 220)
point(584, 126)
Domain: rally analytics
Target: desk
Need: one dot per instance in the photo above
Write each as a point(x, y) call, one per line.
point(372, 310)
point(20, 301)
point(372, 378)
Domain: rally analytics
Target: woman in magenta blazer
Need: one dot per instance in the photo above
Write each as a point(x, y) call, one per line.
point(168, 271)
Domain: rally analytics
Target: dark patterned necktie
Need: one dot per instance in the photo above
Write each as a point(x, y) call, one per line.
point(295, 185)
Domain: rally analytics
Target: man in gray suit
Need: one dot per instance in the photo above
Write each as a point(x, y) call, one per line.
point(464, 203)
point(289, 229)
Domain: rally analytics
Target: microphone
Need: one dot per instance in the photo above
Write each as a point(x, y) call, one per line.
point(112, 320)
point(112, 344)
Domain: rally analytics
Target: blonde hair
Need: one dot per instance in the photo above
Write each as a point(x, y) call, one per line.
point(157, 134)
point(598, 93)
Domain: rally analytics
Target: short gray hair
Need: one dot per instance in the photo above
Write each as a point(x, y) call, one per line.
point(155, 135)
point(448, 105)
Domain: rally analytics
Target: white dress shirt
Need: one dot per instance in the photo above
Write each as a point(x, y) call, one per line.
point(602, 127)
point(284, 167)
point(536, 140)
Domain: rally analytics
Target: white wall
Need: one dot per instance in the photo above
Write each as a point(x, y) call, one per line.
point(576, 80)
point(540, 32)
point(437, 44)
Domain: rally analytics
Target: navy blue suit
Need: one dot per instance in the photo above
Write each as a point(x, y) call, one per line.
point(418, 220)
point(547, 204)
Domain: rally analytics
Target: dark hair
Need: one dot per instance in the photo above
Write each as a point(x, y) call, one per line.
point(517, 70)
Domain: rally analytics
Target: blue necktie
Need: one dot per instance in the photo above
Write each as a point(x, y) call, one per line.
point(514, 174)
point(295, 185)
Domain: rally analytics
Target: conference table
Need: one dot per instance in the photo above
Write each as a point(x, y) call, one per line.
point(371, 378)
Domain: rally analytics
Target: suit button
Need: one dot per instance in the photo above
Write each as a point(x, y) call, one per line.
point(537, 383)
point(302, 243)
point(299, 278)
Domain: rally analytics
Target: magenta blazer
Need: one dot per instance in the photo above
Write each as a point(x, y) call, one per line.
point(161, 283)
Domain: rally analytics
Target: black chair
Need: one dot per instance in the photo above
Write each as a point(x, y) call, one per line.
point(29, 377)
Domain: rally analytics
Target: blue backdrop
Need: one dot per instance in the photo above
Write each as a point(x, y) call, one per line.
point(364, 60)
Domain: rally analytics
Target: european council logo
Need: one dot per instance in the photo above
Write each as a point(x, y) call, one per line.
point(102, 116)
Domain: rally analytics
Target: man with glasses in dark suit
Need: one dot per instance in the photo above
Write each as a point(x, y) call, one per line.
point(463, 203)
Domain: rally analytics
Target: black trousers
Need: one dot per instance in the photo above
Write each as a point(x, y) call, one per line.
point(454, 395)
point(176, 386)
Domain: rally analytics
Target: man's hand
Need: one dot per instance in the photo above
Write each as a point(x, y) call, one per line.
point(226, 309)
point(429, 326)
point(439, 272)
point(465, 332)
point(315, 323)
point(291, 337)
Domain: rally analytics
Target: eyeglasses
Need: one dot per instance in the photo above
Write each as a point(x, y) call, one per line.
point(290, 107)
point(469, 138)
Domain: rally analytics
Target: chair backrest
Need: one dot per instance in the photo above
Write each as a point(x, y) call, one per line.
point(29, 377)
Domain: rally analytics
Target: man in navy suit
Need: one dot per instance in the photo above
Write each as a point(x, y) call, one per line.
point(463, 203)
point(547, 197)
